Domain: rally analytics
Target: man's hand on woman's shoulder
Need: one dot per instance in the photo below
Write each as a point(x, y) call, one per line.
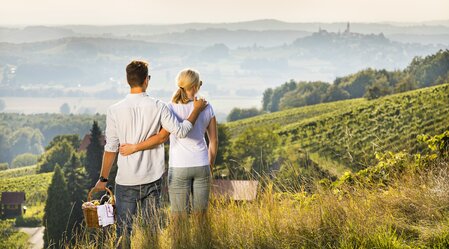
point(200, 103)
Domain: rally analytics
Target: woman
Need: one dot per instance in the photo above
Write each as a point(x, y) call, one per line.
point(191, 161)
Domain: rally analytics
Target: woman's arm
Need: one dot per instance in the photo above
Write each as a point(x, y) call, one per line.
point(150, 143)
point(212, 134)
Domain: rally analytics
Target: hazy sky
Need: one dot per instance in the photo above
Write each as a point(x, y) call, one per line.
point(59, 12)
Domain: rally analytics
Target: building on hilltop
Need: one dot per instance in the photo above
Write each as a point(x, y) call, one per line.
point(348, 28)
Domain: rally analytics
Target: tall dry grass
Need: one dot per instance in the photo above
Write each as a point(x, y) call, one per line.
point(411, 212)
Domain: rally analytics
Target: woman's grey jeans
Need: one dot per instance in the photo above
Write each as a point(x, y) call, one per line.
point(184, 182)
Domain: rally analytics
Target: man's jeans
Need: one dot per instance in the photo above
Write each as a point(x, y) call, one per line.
point(137, 202)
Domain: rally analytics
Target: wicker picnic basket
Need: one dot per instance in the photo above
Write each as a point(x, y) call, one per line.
point(90, 212)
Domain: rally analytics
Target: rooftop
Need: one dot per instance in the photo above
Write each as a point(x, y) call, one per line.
point(13, 198)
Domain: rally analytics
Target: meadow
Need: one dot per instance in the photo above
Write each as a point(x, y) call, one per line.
point(391, 188)
point(402, 202)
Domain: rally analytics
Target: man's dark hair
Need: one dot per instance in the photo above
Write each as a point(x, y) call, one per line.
point(136, 73)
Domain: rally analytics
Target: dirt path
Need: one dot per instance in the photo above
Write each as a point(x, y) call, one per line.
point(36, 236)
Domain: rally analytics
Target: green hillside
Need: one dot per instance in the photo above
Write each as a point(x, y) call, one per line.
point(34, 185)
point(23, 171)
point(351, 132)
point(292, 116)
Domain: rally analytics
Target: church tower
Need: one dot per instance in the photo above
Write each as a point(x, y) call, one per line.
point(348, 28)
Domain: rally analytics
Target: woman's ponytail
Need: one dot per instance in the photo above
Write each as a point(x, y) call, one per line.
point(180, 96)
point(186, 79)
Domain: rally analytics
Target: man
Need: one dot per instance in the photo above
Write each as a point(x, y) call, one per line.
point(132, 120)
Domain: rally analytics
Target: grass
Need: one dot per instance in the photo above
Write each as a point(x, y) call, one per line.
point(23, 171)
point(11, 237)
point(33, 216)
point(411, 211)
point(333, 167)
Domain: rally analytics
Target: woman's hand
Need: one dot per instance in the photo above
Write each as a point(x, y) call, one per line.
point(127, 149)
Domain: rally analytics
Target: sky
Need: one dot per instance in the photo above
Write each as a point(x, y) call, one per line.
point(110, 12)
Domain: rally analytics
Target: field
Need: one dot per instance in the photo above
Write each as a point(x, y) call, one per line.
point(35, 187)
point(294, 115)
point(351, 132)
point(23, 171)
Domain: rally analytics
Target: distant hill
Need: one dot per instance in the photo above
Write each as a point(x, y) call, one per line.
point(94, 60)
point(231, 38)
point(40, 33)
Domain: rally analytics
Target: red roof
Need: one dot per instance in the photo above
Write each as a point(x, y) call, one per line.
point(86, 142)
point(235, 189)
point(13, 198)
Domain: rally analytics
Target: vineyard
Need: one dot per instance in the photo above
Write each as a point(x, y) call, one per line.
point(34, 185)
point(23, 171)
point(294, 115)
point(351, 132)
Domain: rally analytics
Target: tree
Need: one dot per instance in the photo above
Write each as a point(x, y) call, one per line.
point(266, 99)
point(241, 113)
point(64, 109)
point(26, 140)
point(94, 154)
point(25, 159)
point(278, 93)
point(56, 211)
point(254, 150)
point(59, 154)
point(380, 88)
point(223, 143)
point(356, 84)
point(305, 93)
point(335, 93)
point(430, 70)
point(5, 155)
point(2, 105)
point(73, 139)
point(76, 191)
point(4, 166)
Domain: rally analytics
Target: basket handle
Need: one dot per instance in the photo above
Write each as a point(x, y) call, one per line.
point(89, 195)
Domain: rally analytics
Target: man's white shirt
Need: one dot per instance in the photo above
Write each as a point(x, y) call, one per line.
point(133, 120)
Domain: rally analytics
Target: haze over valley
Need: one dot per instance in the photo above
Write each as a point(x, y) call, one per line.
point(43, 67)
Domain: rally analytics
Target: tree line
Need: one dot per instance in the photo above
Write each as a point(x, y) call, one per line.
point(24, 137)
point(368, 83)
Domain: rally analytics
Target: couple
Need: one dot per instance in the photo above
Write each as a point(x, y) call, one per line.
point(138, 126)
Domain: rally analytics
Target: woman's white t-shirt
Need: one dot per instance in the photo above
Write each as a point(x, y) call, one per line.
point(192, 150)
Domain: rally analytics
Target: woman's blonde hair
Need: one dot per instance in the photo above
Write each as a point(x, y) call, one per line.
point(186, 80)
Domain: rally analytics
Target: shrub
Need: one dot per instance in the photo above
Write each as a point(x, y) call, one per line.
point(26, 159)
point(4, 166)
point(28, 221)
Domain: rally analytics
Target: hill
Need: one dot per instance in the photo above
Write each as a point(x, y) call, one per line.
point(90, 61)
point(291, 116)
point(351, 132)
point(34, 185)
